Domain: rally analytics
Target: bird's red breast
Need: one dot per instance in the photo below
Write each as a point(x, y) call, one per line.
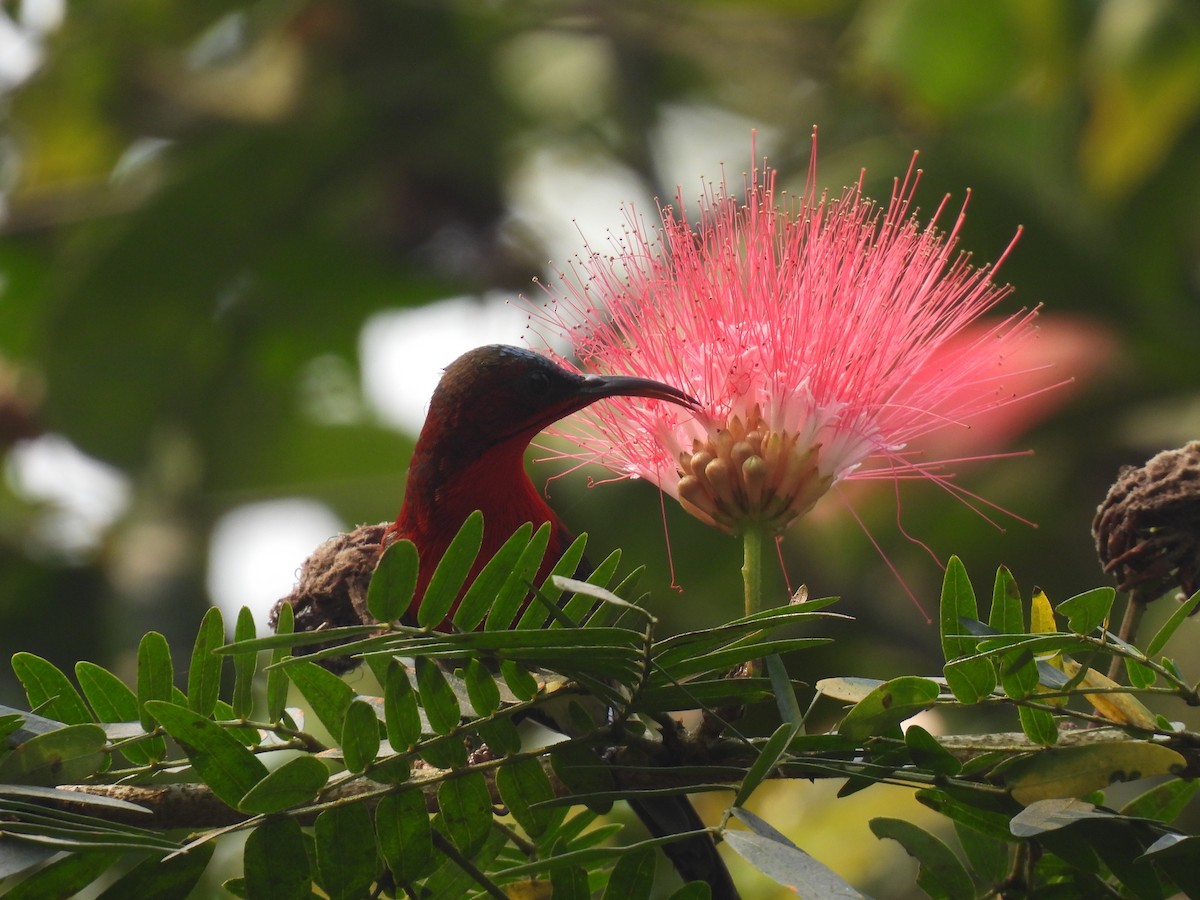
point(496, 483)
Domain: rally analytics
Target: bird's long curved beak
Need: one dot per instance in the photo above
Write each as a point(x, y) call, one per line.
point(597, 387)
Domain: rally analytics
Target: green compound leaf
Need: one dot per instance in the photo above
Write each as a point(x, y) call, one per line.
point(887, 705)
point(768, 758)
point(581, 771)
point(1006, 615)
point(448, 753)
point(451, 572)
point(228, 768)
point(360, 736)
point(277, 679)
point(549, 592)
point(405, 835)
point(346, 856)
point(1168, 629)
point(246, 735)
point(543, 607)
point(773, 854)
point(928, 754)
point(970, 679)
point(482, 593)
point(113, 701)
point(1039, 725)
point(204, 674)
point(63, 756)
point(482, 689)
point(274, 862)
point(155, 675)
point(941, 875)
point(172, 878)
point(327, 694)
point(1018, 673)
point(294, 783)
point(244, 664)
point(512, 594)
point(50, 692)
point(64, 878)
point(987, 822)
point(632, 878)
point(501, 735)
point(391, 769)
point(987, 856)
point(1088, 611)
point(785, 694)
point(466, 811)
point(957, 603)
point(570, 883)
point(390, 592)
point(1163, 802)
point(401, 713)
point(1140, 676)
point(437, 696)
point(522, 785)
point(1060, 772)
point(519, 680)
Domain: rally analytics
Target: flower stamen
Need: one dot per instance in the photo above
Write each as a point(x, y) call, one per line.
point(737, 478)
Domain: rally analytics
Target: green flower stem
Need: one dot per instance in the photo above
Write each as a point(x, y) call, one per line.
point(753, 539)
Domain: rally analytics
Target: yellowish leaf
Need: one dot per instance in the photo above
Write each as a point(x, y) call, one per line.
point(1123, 709)
point(1041, 619)
point(533, 889)
point(1077, 771)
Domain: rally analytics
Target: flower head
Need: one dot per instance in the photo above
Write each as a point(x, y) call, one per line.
point(822, 337)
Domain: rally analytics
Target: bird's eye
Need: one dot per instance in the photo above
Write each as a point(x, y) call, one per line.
point(537, 383)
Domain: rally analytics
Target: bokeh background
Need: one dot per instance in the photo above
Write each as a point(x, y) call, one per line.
point(239, 240)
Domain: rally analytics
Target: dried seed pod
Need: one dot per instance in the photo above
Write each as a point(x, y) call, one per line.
point(1147, 530)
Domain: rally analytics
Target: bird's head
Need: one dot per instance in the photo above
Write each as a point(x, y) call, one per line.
point(496, 394)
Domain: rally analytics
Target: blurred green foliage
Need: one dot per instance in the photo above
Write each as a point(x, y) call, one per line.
point(203, 203)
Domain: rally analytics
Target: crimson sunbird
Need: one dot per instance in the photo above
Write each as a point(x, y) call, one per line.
point(490, 403)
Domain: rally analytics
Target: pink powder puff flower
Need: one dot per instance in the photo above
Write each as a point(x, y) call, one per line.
point(822, 337)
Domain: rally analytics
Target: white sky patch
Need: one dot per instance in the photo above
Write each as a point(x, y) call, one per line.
point(692, 142)
point(256, 551)
point(83, 496)
point(42, 16)
point(559, 193)
point(404, 351)
point(21, 39)
point(20, 54)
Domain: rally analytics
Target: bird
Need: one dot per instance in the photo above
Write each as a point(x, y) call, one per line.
point(488, 406)
point(470, 455)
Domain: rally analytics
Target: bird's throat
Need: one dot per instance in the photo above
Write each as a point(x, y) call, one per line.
point(439, 499)
point(498, 485)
